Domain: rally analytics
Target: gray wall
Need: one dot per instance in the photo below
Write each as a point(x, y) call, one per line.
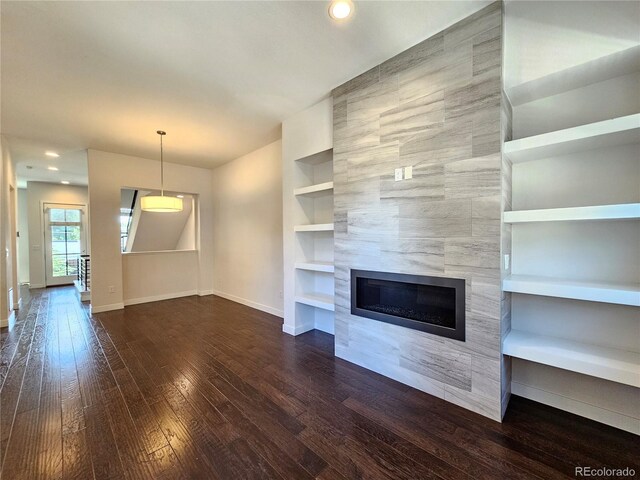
point(435, 107)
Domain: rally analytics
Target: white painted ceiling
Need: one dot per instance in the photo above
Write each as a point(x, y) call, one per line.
point(219, 77)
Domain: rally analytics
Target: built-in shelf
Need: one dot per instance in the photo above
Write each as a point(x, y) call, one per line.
point(609, 363)
point(616, 131)
point(598, 70)
point(316, 266)
point(317, 227)
point(618, 293)
point(317, 190)
point(317, 300)
point(598, 212)
point(317, 158)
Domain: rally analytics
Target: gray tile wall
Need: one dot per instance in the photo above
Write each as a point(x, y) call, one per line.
point(436, 107)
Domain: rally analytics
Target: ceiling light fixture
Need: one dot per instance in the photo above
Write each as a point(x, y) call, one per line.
point(65, 182)
point(180, 196)
point(51, 154)
point(340, 9)
point(53, 169)
point(160, 203)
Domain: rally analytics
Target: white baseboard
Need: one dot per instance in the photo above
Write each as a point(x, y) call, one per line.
point(36, 285)
point(300, 329)
point(9, 321)
point(107, 308)
point(157, 298)
point(593, 412)
point(249, 303)
point(203, 293)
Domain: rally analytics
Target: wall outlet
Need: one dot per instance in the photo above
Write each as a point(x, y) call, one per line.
point(398, 174)
point(112, 289)
point(507, 261)
point(408, 172)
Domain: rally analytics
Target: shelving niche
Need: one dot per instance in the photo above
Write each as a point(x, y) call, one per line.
point(308, 225)
point(576, 208)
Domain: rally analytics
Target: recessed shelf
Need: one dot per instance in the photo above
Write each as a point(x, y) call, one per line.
point(617, 293)
point(317, 190)
point(616, 131)
point(598, 212)
point(609, 363)
point(317, 227)
point(316, 266)
point(325, 302)
point(600, 69)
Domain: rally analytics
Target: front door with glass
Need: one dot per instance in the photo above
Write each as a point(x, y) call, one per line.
point(65, 234)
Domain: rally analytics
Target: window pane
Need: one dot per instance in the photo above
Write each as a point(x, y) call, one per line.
point(56, 214)
point(59, 265)
point(73, 216)
point(58, 233)
point(73, 234)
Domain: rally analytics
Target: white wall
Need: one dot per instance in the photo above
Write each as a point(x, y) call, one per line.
point(9, 292)
point(108, 173)
point(544, 37)
point(152, 276)
point(23, 241)
point(247, 235)
point(37, 194)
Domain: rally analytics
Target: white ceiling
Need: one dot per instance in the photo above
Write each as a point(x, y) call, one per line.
point(219, 77)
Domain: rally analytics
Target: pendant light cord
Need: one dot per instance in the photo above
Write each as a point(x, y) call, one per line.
point(162, 134)
point(161, 169)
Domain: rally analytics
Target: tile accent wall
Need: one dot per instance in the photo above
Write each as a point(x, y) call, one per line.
point(436, 107)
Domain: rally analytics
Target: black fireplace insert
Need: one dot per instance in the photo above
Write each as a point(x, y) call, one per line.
point(431, 304)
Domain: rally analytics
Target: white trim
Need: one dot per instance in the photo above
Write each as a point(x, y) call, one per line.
point(250, 303)
point(297, 330)
point(157, 298)
point(36, 285)
point(599, 414)
point(203, 293)
point(9, 321)
point(107, 308)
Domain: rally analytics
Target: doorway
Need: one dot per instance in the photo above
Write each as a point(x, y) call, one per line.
point(65, 241)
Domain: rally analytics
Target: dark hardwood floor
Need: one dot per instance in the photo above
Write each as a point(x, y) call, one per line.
point(206, 388)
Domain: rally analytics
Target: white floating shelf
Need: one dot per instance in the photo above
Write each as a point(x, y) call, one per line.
point(317, 190)
point(599, 212)
point(609, 363)
point(617, 131)
point(316, 266)
point(317, 227)
point(317, 300)
point(317, 158)
point(622, 294)
point(598, 70)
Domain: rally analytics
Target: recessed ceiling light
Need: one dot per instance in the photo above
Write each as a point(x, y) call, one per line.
point(53, 169)
point(340, 9)
point(180, 196)
point(52, 154)
point(64, 182)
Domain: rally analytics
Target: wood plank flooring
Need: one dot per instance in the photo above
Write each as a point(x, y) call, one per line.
point(204, 388)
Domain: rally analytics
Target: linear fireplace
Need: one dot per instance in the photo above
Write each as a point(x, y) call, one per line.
point(431, 304)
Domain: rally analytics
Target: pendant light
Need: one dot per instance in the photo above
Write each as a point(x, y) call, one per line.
point(160, 203)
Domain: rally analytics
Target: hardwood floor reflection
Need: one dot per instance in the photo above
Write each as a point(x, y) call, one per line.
point(202, 387)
